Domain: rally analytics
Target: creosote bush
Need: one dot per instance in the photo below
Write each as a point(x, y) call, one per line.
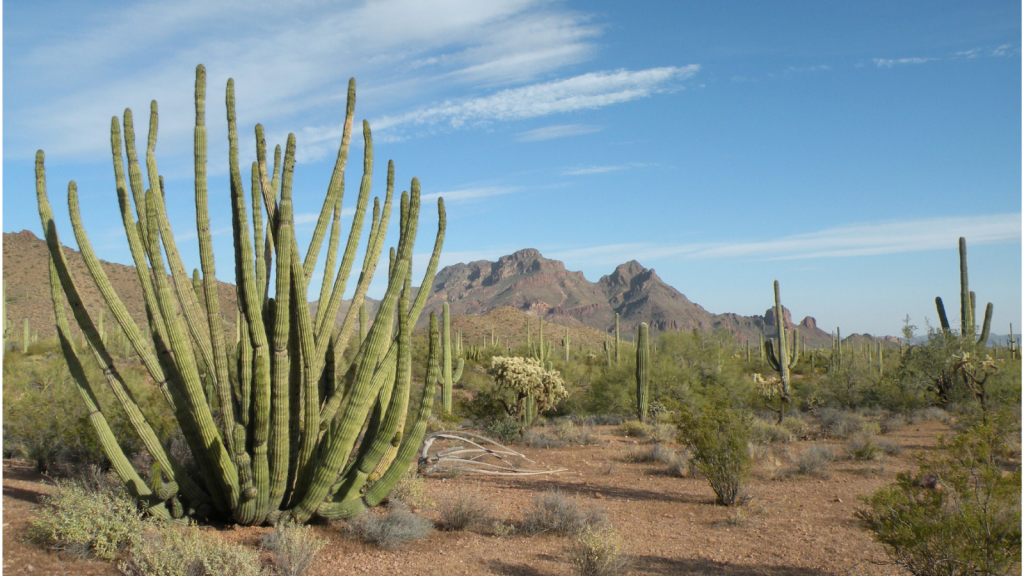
point(555, 514)
point(718, 439)
point(959, 516)
point(85, 521)
point(168, 550)
point(598, 552)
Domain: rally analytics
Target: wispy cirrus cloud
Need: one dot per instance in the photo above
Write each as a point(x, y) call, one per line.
point(891, 62)
point(862, 239)
point(468, 194)
point(588, 170)
point(557, 131)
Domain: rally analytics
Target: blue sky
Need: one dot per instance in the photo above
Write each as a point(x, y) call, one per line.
point(839, 149)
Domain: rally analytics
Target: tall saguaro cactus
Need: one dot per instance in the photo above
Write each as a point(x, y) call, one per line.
point(617, 339)
point(968, 327)
point(643, 371)
point(277, 436)
point(780, 357)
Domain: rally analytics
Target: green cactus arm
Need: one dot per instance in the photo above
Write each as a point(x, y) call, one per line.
point(796, 349)
point(341, 440)
point(336, 189)
point(983, 339)
point(457, 375)
point(966, 322)
point(411, 442)
point(446, 359)
point(943, 321)
point(771, 355)
point(280, 364)
point(329, 262)
point(124, 319)
point(134, 177)
point(125, 471)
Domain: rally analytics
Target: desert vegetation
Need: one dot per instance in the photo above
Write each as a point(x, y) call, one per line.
point(304, 419)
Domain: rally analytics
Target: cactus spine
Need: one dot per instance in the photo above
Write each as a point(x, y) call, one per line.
point(280, 440)
point(643, 359)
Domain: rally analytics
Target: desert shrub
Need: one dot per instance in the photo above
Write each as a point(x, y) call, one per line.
point(932, 413)
point(605, 419)
point(554, 513)
point(390, 530)
point(537, 439)
point(598, 552)
point(662, 433)
point(658, 433)
point(891, 423)
point(839, 424)
point(634, 429)
point(293, 547)
point(718, 439)
point(569, 431)
point(655, 453)
point(505, 429)
point(861, 447)
point(167, 550)
point(679, 465)
point(795, 425)
point(814, 459)
point(410, 489)
point(462, 511)
point(769, 433)
point(587, 436)
point(82, 521)
point(960, 515)
point(889, 448)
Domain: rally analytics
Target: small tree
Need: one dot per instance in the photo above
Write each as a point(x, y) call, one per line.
point(526, 378)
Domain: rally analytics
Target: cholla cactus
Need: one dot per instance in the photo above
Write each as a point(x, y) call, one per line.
point(526, 378)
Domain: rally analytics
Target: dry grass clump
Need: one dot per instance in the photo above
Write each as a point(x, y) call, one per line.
point(814, 460)
point(535, 438)
point(569, 432)
point(891, 423)
point(861, 447)
point(679, 465)
point(554, 513)
point(293, 546)
point(655, 453)
point(392, 529)
point(462, 511)
point(81, 521)
point(930, 413)
point(764, 432)
point(657, 433)
point(839, 424)
point(634, 429)
point(598, 552)
point(172, 551)
point(796, 425)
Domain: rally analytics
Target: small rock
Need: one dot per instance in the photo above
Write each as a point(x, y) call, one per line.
point(838, 500)
point(598, 495)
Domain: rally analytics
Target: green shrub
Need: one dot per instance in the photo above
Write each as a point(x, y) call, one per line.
point(763, 432)
point(598, 552)
point(961, 515)
point(656, 453)
point(861, 447)
point(554, 513)
point(293, 546)
point(795, 425)
point(410, 489)
point(173, 551)
point(718, 439)
point(83, 521)
point(504, 429)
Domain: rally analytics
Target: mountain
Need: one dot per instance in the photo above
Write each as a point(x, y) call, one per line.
point(529, 282)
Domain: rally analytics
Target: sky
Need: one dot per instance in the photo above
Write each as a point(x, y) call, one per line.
point(841, 148)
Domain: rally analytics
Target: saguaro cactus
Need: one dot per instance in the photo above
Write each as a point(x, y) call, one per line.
point(617, 340)
point(780, 357)
point(448, 378)
point(643, 359)
point(967, 305)
point(274, 440)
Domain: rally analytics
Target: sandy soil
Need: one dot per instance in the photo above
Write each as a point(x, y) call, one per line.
point(799, 525)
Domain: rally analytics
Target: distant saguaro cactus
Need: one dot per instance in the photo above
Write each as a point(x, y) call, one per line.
point(780, 358)
point(643, 371)
point(968, 327)
point(448, 377)
point(274, 441)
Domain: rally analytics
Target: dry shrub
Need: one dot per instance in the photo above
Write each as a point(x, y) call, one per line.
point(634, 429)
point(554, 513)
point(795, 425)
point(392, 529)
point(172, 551)
point(462, 511)
point(679, 465)
point(890, 448)
point(861, 447)
point(81, 521)
point(891, 423)
point(411, 490)
point(814, 459)
point(598, 552)
point(655, 453)
point(536, 439)
point(293, 547)
point(769, 433)
point(839, 424)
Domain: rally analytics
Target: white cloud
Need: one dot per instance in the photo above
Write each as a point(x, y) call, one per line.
point(972, 53)
point(889, 63)
point(557, 131)
point(584, 92)
point(864, 239)
point(1001, 50)
point(817, 68)
point(466, 194)
point(588, 170)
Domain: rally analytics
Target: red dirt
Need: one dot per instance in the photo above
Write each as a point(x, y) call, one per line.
point(801, 525)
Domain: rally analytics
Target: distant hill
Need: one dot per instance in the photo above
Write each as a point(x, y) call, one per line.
point(501, 294)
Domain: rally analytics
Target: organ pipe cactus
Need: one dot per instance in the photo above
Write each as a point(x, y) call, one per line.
point(968, 327)
point(277, 437)
point(643, 370)
point(449, 378)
